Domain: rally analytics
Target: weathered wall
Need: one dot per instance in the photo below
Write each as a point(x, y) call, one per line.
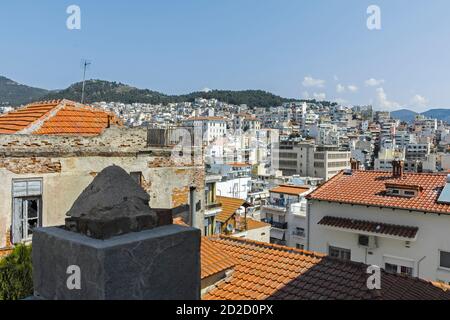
point(67, 165)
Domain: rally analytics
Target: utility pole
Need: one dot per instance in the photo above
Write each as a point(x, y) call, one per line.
point(86, 64)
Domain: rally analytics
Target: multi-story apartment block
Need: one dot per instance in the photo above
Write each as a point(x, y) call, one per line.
point(212, 128)
point(236, 179)
point(398, 221)
point(308, 159)
point(284, 202)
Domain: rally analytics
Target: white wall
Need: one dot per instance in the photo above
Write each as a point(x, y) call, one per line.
point(433, 235)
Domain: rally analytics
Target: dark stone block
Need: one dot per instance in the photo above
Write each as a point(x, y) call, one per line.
point(157, 264)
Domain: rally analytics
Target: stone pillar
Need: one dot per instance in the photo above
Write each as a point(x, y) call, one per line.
point(114, 247)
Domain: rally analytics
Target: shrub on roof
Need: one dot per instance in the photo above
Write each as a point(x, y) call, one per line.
point(16, 281)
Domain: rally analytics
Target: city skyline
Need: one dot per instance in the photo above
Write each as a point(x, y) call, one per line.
point(301, 50)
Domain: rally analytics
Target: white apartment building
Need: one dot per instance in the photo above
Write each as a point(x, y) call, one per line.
point(284, 202)
point(212, 127)
point(236, 179)
point(395, 220)
point(307, 159)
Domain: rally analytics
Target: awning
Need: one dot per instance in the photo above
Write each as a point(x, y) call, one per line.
point(278, 234)
point(371, 228)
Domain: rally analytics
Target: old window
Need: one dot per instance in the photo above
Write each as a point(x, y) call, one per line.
point(137, 177)
point(340, 253)
point(393, 268)
point(445, 259)
point(27, 209)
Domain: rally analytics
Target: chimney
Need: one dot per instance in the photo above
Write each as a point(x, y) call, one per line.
point(354, 164)
point(397, 168)
point(115, 247)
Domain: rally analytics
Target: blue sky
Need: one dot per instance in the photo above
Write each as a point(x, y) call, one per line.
point(294, 48)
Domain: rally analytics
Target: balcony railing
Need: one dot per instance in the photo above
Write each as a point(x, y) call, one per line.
point(300, 234)
point(278, 225)
point(210, 206)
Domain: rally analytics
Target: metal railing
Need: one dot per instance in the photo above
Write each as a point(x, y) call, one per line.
point(278, 225)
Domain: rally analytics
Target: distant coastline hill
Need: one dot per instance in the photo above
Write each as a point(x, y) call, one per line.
point(98, 90)
point(13, 93)
point(409, 116)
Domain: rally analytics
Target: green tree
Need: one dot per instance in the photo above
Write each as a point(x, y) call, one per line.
point(16, 274)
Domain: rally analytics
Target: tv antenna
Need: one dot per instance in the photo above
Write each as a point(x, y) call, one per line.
point(85, 65)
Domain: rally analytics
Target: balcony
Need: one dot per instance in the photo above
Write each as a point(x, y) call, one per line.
point(212, 209)
point(298, 233)
point(274, 224)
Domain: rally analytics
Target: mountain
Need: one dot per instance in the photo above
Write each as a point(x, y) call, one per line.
point(440, 114)
point(13, 93)
point(409, 116)
point(404, 115)
point(99, 90)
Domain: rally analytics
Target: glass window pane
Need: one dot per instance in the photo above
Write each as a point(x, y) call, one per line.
point(19, 189)
point(445, 259)
point(391, 268)
point(33, 209)
point(34, 188)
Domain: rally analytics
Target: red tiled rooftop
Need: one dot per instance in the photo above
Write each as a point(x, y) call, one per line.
point(369, 188)
point(371, 227)
point(57, 117)
point(229, 207)
point(267, 271)
point(291, 190)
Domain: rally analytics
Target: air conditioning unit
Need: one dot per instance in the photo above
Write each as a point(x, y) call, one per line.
point(369, 242)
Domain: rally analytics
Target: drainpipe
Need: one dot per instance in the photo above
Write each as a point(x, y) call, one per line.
point(418, 266)
point(308, 210)
point(192, 206)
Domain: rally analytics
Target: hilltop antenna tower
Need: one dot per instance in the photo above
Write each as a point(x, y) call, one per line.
point(86, 65)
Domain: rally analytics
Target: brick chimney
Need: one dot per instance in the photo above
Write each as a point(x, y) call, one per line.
point(354, 164)
point(398, 167)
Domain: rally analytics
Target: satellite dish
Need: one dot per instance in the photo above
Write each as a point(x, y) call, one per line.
point(230, 227)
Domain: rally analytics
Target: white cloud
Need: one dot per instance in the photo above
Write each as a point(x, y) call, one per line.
point(419, 101)
point(206, 90)
point(340, 88)
point(311, 82)
point(352, 88)
point(336, 78)
point(320, 96)
point(384, 102)
point(374, 82)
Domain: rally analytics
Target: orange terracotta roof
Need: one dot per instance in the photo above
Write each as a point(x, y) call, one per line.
point(369, 188)
point(371, 227)
point(239, 164)
point(180, 222)
point(291, 190)
point(57, 117)
point(267, 271)
point(213, 260)
point(229, 207)
point(254, 224)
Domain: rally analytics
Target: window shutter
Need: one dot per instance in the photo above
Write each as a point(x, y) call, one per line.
point(17, 225)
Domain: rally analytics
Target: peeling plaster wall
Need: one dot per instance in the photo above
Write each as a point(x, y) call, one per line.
point(67, 169)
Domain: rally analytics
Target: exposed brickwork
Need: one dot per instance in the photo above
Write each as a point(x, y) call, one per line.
point(113, 141)
point(146, 185)
point(8, 238)
point(30, 165)
point(180, 196)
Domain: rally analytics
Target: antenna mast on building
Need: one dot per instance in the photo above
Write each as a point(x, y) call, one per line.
point(86, 64)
